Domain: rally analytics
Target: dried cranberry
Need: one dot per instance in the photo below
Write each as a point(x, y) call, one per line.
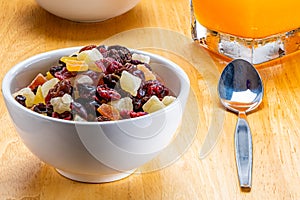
point(137, 114)
point(64, 74)
point(153, 87)
point(61, 88)
point(110, 65)
point(89, 47)
point(106, 94)
point(21, 99)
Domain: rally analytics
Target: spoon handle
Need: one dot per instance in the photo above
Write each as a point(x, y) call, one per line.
point(243, 151)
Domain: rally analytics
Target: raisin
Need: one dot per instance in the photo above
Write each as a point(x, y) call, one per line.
point(111, 80)
point(67, 115)
point(55, 69)
point(21, 100)
point(61, 88)
point(119, 53)
point(86, 91)
point(40, 108)
point(77, 108)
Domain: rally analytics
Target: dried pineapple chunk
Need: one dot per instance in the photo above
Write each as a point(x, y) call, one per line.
point(123, 104)
point(130, 83)
point(167, 100)
point(61, 104)
point(153, 104)
point(140, 57)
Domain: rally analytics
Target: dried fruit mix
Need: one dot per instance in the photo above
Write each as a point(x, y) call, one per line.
point(97, 83)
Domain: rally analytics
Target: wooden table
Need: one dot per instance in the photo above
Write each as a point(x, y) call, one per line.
point(161, 27)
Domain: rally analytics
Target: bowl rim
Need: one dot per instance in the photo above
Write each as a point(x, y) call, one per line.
point(6, 82)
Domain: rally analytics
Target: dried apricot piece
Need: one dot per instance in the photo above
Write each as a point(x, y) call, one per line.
point(109, 111)
point(37, 81)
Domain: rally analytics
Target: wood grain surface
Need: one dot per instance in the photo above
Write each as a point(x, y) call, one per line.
point(162, 27)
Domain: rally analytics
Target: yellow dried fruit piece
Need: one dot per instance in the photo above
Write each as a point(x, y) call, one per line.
point(109, 112)
point(167, 100)
point(130, 83)
point(76, 66)
point(148, 74)
point(39, 96)
point(48, 85)
point(153, 104)
point(66, 59)
point(49, 76)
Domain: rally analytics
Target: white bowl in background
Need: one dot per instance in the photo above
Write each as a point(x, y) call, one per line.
point(87, 10)
point(95, 151)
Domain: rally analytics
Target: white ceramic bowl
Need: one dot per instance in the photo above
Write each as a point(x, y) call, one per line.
point(95, 151)
point(87, 10)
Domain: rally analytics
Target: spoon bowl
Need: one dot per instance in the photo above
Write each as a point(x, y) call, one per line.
point(240, 90)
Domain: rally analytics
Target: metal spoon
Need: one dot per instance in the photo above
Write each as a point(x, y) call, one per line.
point(241, 90)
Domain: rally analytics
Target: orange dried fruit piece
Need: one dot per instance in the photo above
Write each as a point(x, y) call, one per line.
point(73, 64)
point(109, 112)
point(76, 66)
point(37, 81)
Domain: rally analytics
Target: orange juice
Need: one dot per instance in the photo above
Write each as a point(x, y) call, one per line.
point(248, 18)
